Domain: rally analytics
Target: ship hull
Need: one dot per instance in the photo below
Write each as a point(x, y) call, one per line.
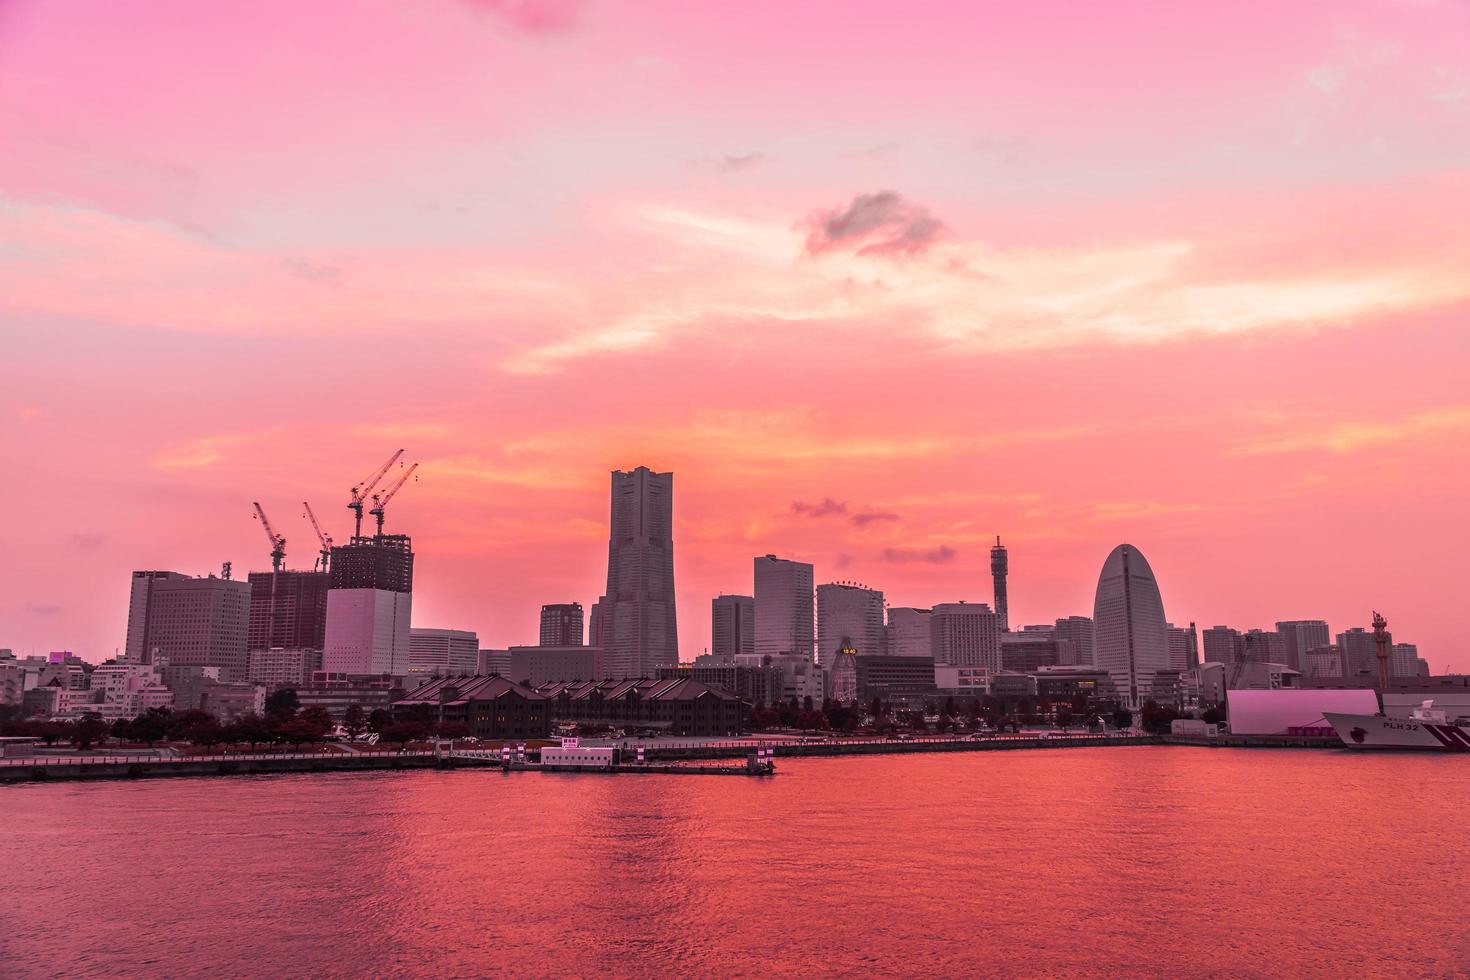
point(1378, 732)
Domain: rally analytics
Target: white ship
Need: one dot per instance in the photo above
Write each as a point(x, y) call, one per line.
point(1425, 728)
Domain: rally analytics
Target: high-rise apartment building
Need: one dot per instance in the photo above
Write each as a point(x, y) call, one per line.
point(192, 622)
point(1222, 645)
point(634, 621)
point(783, 607)
point(732, 625)
point(1262, 647)
point(965, 634)
point(1183, 647)
point(1403, 660)
point(848, 615)
point(1076, 635)
point(1360, 652)
point(909, 632)
point(288, 610)
point(1301, 636)
point(442, 653)
point(561, 625)
point(999, 569)
point(1131, 640)
point(369, 607)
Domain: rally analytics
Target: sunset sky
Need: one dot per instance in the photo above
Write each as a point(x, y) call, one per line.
point(877, 281)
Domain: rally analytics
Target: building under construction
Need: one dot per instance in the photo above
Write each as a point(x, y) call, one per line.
point(378, 562)
point(288, 610)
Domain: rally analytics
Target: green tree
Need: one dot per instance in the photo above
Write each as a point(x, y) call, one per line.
point(282, 703)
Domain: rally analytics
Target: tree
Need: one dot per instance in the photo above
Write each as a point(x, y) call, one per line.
point(51, 732)
point(249, 728)
point(150, 726)
point(317, 722)
point(452, 729)
point(282, 703)
point(1157, 719)
point(403, 732)
point(1213, 715)
point(1064, 716)
point(1122, 718)
point(354, 721)
point(379, 720)
point(87, 732)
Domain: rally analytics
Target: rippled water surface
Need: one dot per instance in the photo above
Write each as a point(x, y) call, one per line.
point(1121, 860)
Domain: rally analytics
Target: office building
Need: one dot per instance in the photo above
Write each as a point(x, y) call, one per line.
point(369, 606)
point(288, 610)
point(1301, 636)
point(1131, 641)
point(493, 662)
point(909, 632)
point(1263, 647)
point(1075, 633)
point(441, 652)
point(634, 622)
point(906, 682)
point(284, 667)
point(965, 634)
point(757, 685)
point(1403, 660)
point(201, 622)
point(545, 665)
point(732, 626)
point(848, 615)
point(999, 569)
point(783, 607)
point(561, 625)
point(1030, 649)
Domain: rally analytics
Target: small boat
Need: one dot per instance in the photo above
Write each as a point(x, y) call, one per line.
point(1426, 728)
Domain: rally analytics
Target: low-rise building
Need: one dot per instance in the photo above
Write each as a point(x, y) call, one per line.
point(490, 707)
point(755, 685)
point(283, 667)
point(674, 706)
point(544, 665)
point(337, 692)
point(898, 681)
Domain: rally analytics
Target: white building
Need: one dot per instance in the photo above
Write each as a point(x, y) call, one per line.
point(442, 653)
point(848, 615)
point(783, 607)
point(367, 631)
point(909, 632)
point(965, 634)
point(1131, 641)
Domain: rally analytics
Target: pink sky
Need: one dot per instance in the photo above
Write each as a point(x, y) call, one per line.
point(1190, 276)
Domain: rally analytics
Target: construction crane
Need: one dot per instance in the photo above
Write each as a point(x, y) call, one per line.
point(322, 536)
point(278, 543)
point(361, 491)
point(381, 501)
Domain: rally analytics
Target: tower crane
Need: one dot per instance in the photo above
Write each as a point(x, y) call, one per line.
point(278, 543)
point(322, 536)
point(361, 491)
point(381, 501)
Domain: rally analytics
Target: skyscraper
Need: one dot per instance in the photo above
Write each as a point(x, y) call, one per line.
point(191, 622)
point(369, 606)
point(288, 610)
point(999, 568)
point(732, 625)
point(1303, 636)
point(635, 621)
point(1222, 645)
point(1183, 647)
point(783, 607)
point(1360, 652)
point(965, 634)
point(1131, 640)
point(848, 615)
point(442, 653)
point(561, 625)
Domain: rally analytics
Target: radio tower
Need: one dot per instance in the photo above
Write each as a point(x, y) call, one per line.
point(1380, 642)
point(999, 562)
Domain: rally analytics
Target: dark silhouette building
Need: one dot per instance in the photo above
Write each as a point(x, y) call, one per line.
point(561, 625)
point(288, 610)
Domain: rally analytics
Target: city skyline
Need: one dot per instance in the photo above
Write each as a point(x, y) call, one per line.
point(1055, 297)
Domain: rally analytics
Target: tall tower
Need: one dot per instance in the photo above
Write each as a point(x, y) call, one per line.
point(999, 562)
point(1131, 641)
point(1381, 642)
point(635, 620)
